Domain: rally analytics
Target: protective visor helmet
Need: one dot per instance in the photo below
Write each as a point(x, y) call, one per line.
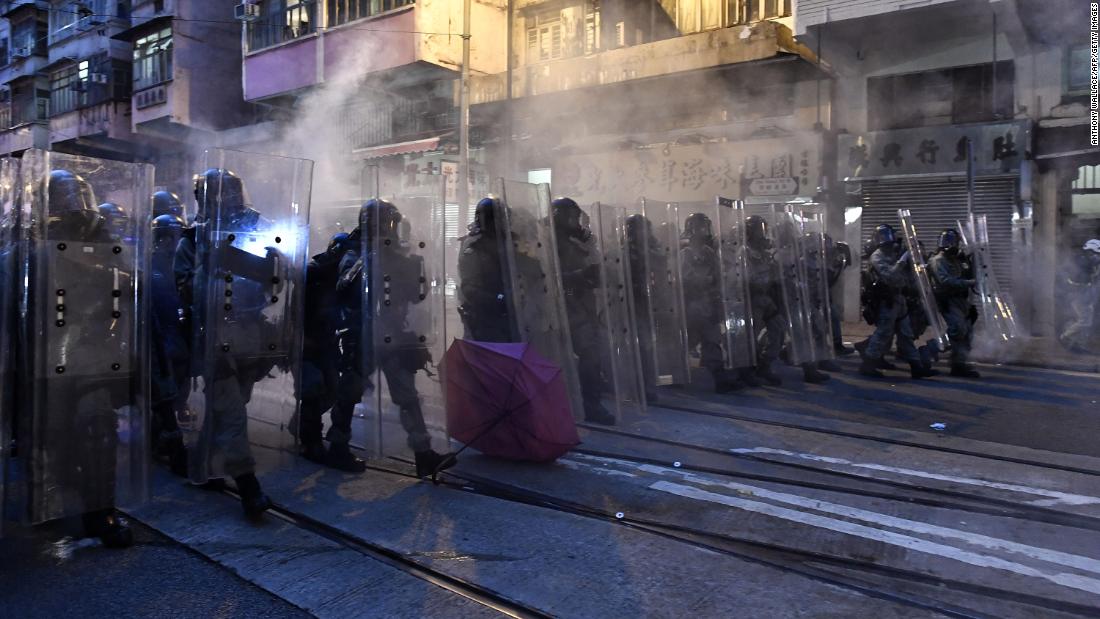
point(949, 241)
point(484, 217)
point(698, 226)
point(379, 218)
point(568, 217)
point(166, 229)
point(885, 235)
point(219, 190)
point(756, 231)
point(638, 227)
point(167, 203)
point(69, 193)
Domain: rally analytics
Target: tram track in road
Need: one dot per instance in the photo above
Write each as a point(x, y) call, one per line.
point(685, 408)
point(459, 586)
point(818, 566)
point(953, 499)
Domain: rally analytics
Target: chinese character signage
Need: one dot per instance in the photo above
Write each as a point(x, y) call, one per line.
point(775, 167)
point(998, 149)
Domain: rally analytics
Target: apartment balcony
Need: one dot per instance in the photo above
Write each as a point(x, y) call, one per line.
point(18, 139)
point(694, 52)
point(381, 46)
point(102, 127)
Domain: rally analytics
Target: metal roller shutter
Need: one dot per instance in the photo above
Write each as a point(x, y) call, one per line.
point(938, 203)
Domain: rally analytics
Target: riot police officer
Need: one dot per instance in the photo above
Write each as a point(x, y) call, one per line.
point(580, 275)
point(400, 357)
point(700, 271)
point(816, 256)
point(167, 203)
point(319, 383)
point(169, 346)
point(952, 279)
point(643, 249)
point(1080, 334)
point(838, 257)
point(222, 209)
point(481, 288)
point(890, 271)
point(78, 443)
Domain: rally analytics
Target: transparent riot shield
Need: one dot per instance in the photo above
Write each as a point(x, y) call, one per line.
point(816, 267)
point(937, 327)
point(404, 331)
point(536, 303)
point(10, 237)
point(790, 288)
point(620, 362)
point(998, 321)
point(241, 269)
point(653, 242)
point(737, 324)
point(83, 404)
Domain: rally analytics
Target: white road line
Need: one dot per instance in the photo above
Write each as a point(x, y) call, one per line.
point(1054, 497)
point(1072, 581)
point(1083, 563)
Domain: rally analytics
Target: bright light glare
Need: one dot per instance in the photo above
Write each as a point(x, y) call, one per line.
point(257, 244)
point(853, 215)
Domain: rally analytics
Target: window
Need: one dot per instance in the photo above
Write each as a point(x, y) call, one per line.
point(89, 82)
point(592, 28)
point(700, 15)
point(29, 37)
point(28, 104)
point(942, 97)
point(153, 59)
point(544, 37)
point(280, 21)
point(1077, 70)
point(72, 18)
point(344, 11)
point(68, 88)
point(5, 109)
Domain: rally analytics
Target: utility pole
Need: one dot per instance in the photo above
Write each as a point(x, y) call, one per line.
point(464, 115)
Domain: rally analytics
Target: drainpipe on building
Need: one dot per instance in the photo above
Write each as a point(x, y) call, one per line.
point(509, 144)
point(464, 114)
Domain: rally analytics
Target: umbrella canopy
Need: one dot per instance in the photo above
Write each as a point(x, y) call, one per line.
point(507, 401)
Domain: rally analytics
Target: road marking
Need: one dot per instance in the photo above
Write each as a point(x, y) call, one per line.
point(1072, 581)
point(1083, 563)
point(1054, 497)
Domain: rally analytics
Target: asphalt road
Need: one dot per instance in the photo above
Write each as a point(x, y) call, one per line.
point(41, 575)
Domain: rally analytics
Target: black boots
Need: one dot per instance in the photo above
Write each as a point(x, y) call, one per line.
point(726, 381)
point(596, 413)
point(765, 374)
point(315, 452)
point(919, 370)
point(341, 458)
point(961, 370)
point(812, 375)
point(870, 367)
point(429, 463)
point(113, 530)
point(828, 365)
point(843, 351)
point(253, 500)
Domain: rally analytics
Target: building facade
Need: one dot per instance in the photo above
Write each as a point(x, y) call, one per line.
point(912, 83)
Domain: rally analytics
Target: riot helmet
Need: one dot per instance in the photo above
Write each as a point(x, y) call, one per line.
point(219, 189)
point(166, 203)
point(484, 217)
point(756, 232)
point(69, 193)
point(885, 235)
point(380, 218)
point(697, 227)
point(118, 221)
point(166, 231)
point(569, 219)
point(949, 241)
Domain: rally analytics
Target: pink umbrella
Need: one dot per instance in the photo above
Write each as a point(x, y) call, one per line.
point(507, 401)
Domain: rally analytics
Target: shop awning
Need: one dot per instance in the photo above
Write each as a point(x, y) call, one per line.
point(401, 148)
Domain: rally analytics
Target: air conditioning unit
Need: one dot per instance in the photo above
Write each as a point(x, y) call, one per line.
point(21, 52)
point(247, 11)
point(99, 78)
